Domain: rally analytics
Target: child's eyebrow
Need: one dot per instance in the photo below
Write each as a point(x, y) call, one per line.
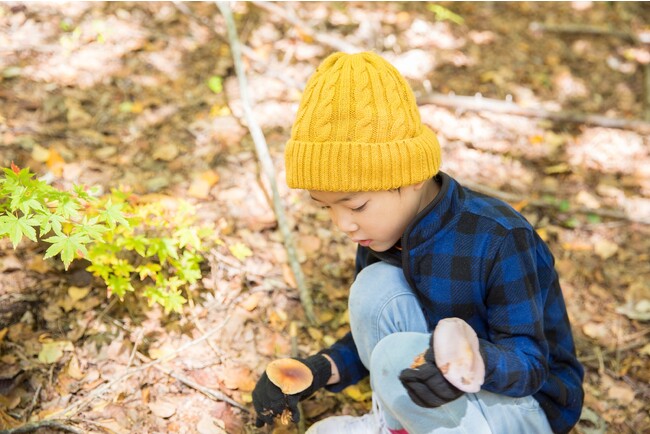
point(343, 199)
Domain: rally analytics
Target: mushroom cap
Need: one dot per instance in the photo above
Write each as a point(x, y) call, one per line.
point(290, 375)
point(456, 349)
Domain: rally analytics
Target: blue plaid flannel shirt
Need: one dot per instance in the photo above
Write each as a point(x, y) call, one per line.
point(474, 257)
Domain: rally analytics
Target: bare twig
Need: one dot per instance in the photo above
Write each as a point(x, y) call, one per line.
point(263, 155)
point(578, 29)
point(514, 198)
point(210, 393)
point(35, 426)
point(81, 404)
point(496, 106)
point(289, 16)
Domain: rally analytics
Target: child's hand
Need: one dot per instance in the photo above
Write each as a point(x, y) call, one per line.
point(426, 385)
point(269, 400)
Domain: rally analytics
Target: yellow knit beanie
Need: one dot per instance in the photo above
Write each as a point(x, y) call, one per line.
point(358, 128)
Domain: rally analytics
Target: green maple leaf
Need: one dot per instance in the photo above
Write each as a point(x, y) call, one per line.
point(150, 269)
point(92, 228)
point(112, 214)
point(68, 246)
point(67, 207)
point(17, 227)
point(119, 285)
point(173, 301)
point(240, 251)
point(137, 243)
point(49, 221)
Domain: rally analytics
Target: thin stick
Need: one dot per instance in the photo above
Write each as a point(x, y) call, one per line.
point(210, 393)
point(578, 29)
point(480, 103)
point(80, 405)
point(288, 15)
point(35, 426)
point(264, 157)
point(513, 198)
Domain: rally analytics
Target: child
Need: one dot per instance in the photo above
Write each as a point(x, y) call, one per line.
point(429, 249)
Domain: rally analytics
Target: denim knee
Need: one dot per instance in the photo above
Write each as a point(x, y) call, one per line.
point(374, 283)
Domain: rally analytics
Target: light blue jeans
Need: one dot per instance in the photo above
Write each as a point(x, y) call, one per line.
point(389, 330)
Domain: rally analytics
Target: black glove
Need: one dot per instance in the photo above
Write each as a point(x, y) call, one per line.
point(426, 385)
point(269, 401)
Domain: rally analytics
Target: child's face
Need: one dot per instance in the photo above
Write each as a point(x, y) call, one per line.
point(375, 219)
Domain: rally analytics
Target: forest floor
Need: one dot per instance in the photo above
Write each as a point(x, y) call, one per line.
point(116, 94)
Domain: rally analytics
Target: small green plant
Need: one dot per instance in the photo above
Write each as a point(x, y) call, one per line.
point(151, 248)
point(444, 14)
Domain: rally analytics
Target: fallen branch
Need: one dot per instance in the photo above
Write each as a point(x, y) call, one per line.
point(514, 198)
point(480, 103)
point(289, 16)
point(80, 405)
point(210, 393)
point(578, 29)
point(264, 157)
point(35, 426)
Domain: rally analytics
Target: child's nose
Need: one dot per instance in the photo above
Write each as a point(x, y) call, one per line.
point(345, 222)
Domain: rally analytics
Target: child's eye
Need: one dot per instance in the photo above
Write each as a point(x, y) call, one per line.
point(360, 208)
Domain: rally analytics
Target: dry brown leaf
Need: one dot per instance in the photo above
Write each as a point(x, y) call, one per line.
point(605, 248)
point(238, 378)
point(289, 278)
point(76, 293)
point(252, 301)
point(164, 409)
point(210, 425)
point(622, 393)
point(74, 370)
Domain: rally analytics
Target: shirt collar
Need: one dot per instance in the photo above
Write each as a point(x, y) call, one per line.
point(436, 215)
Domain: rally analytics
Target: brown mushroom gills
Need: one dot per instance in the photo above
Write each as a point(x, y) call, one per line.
point(457, 354)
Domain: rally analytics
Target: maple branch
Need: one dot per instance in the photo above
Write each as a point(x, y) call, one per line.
point(264, 157)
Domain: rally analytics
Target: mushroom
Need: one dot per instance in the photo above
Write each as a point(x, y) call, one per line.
point(456, 350)
point(291, 376)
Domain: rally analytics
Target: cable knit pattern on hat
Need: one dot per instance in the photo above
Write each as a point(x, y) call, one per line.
point(358, 128)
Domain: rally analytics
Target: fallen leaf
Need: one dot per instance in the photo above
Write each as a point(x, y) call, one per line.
point(622, 393)
point(210, 425)
point(251, 302)
point(55, 163)
point(74, 370)
point(605, 248)
point(289, 278)
point(40, 153)
point(238, 378)
point(167, 152)
point(240, 251)
point(3, 333)
point(595, 330)
point(162, 409)
point(77, 293)
point(52, 352)
point(357, 394)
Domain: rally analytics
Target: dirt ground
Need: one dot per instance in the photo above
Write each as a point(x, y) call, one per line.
point(117, 94)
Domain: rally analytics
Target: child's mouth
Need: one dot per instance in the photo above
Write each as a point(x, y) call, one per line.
point(365, 243)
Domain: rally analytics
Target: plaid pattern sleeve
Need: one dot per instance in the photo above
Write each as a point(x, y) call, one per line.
point(516, 350)
point(476, 258)
point(346, 357)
